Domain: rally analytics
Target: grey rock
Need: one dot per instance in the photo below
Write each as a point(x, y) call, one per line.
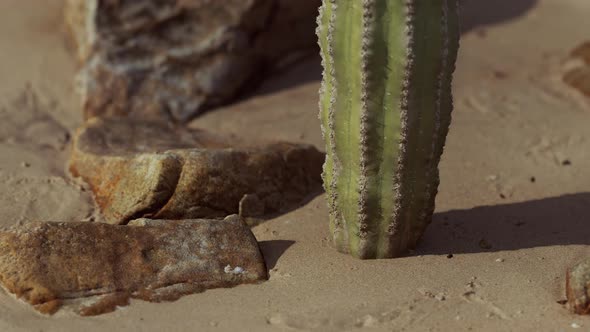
point(173, 59)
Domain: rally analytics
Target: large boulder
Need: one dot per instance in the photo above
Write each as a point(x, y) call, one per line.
point(175, 58)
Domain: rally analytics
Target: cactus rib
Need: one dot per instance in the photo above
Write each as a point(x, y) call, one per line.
point(385, 106)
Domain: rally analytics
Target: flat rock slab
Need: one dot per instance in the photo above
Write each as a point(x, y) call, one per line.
point(148, 169)
point(175, 58)
point(102, 266)
point(577, 288)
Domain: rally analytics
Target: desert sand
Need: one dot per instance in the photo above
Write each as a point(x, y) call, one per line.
point(512, 211)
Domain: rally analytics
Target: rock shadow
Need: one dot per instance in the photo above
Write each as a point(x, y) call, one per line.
point(563, 220)
point(273, 250)
point(256, 221)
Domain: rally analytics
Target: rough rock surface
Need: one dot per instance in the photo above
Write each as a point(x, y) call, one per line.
point(175, 58)
point(577, 288)
point(49, 264)
point(578, 73)
point(147, 169)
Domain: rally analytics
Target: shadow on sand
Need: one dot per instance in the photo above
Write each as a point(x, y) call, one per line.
point(553, 221)
point(563, 220)
point(481, 13)
point(273, 250)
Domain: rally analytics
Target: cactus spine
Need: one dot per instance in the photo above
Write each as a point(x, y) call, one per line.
point(385, 109)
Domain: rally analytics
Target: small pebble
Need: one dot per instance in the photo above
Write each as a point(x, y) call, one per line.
point(533, 179)
point(576, 325)
point(25, 164)
point(500, 260)
point(500, 74)
point(481, 33)
point(450, 256)
point(566, 162)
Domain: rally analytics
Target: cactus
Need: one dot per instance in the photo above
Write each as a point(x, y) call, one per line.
point(385, 109)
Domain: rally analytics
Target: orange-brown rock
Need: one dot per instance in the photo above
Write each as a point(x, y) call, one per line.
point(579, 79)
point(582, 52)
point(578, 76)
point(147, 169)
point(175, 58)
point(47, 264)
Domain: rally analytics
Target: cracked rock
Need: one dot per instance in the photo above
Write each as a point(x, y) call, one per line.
point(148, 169)
point(94, 267)
point(176, 58)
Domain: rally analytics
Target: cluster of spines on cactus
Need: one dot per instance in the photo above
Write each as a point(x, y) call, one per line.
point(385, 109)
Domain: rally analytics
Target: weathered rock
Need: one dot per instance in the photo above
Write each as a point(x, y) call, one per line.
point(579, 79)
point(176, 58)
point(48, 264)
point(578, 75)
point(577, 288)
point(147, 169)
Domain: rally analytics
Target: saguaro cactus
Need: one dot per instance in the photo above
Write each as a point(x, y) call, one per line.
point(385, 108)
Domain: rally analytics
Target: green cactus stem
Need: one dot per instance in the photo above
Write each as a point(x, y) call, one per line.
point(385, 109)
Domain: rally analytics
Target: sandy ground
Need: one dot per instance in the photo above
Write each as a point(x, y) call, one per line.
point(513, 216)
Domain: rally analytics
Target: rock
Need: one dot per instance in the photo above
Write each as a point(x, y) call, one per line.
point(579, 79)
point(148, 169)
point(582, 52)
point(577, 285)
point(175, 58)
point(50, 264)
point(251, 206)
point(577, 75)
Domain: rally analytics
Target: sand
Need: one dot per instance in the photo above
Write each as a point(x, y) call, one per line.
point(511, 236)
